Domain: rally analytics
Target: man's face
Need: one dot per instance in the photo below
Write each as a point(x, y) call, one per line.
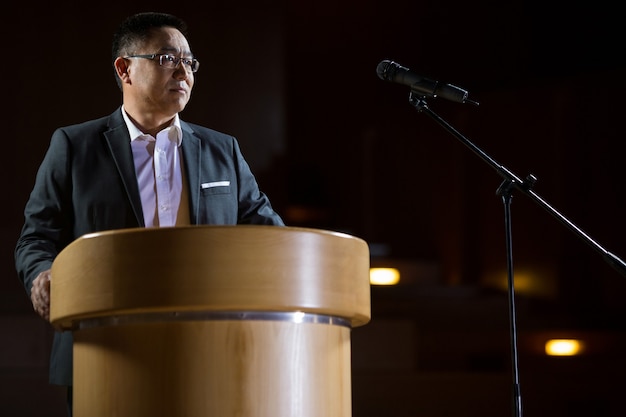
point(156, 90)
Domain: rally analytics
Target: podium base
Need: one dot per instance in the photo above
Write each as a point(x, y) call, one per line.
point(214, 368)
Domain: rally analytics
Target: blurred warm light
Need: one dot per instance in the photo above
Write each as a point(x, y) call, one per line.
point(563, 347)
point(384, 276)
point(538, 281)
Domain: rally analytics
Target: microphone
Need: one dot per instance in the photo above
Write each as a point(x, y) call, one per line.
point(396, 73)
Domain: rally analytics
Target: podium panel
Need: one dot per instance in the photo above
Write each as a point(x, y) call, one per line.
point(213, 368)
point(212, 320)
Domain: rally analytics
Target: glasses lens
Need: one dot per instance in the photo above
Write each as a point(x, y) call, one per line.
point(168, 61)
point(194, 65)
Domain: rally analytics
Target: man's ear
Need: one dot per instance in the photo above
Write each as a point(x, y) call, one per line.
point(121, 68)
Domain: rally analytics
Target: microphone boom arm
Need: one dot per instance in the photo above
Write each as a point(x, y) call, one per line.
point(525, 186)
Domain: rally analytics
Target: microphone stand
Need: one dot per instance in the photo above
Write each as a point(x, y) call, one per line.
point(510, 182)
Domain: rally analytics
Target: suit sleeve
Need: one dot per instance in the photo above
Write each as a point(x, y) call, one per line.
point(254, 205)
point(47, 212)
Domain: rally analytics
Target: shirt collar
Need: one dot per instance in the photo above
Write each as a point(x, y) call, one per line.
point(135, 133)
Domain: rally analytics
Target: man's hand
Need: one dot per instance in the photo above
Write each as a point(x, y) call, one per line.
point(40, 294)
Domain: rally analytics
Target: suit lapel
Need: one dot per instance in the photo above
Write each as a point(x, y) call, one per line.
point(191, 161)
point(119, 144)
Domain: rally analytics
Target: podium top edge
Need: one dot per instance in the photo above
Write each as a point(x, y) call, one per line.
point(270, 228)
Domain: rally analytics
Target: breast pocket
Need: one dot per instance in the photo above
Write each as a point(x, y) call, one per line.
point(215, 187)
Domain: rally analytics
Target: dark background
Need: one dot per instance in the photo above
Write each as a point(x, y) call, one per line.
point(337, 148)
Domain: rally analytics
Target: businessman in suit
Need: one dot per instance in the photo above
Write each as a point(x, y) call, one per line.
point(141, 166)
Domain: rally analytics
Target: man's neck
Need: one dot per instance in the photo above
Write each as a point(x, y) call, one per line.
point(149, 123)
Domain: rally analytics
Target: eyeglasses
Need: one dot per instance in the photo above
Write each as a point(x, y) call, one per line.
point(170, 61)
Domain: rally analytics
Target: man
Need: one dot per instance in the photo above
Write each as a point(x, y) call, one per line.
point(139, 167)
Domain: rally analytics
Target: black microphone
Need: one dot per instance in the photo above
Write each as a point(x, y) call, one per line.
point(394, 72)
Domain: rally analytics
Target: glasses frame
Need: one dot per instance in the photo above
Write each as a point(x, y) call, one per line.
point(191, 63)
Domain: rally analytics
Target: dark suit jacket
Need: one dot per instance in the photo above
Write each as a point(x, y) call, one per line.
point(86, 183)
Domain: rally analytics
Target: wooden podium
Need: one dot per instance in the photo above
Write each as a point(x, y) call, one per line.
point(212, 321)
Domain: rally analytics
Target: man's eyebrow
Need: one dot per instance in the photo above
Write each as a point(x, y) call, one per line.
point(170, 50)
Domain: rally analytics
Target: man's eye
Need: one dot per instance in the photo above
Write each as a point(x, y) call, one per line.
point(169, 58)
